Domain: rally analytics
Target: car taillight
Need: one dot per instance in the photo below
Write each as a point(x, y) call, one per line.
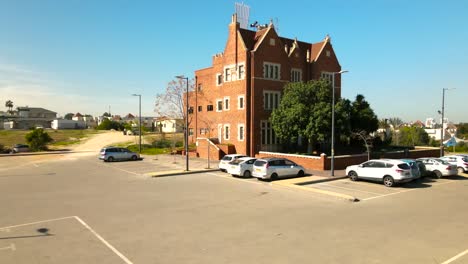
point(399, 171)
point(449, 168)
point(266, 165)
point(465, 163)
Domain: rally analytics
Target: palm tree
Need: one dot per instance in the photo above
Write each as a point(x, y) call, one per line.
point(9, 105)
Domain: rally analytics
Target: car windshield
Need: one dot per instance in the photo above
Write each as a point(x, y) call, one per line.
point(235, 162)
point(259, 163)
point(442, 161)
point(226, 158)
point(404, 166)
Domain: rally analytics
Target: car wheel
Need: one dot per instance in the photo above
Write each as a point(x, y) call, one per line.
point(460, 170)
point(300, 173)
point(110, 159)
point(388, 181)
point(134, 157)
point(247, 174)
point(353, 175)
point(274, 176)
point(438, 174)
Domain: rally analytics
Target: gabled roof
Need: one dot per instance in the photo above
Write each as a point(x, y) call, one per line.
point(252, 39)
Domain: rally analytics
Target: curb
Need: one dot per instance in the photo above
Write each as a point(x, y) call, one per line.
point(322, 180)
point(177, 173)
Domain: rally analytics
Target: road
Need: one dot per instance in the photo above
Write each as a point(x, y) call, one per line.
point(81, 210)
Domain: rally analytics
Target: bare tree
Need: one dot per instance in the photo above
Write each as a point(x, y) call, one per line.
point(171, 103)
point(367, 139)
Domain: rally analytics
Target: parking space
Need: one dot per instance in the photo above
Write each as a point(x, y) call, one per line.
point(366, 190)
point(60, 240)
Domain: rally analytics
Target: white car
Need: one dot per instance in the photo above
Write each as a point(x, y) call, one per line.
point(388, 171)
point(460, 160)
point(223, 163)
point(241, 167)
point(439, 167)
point(274, 168)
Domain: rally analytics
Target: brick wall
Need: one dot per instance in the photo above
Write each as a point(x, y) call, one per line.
point(341, 162)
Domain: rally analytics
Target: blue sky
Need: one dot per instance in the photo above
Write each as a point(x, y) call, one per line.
point(84, 56)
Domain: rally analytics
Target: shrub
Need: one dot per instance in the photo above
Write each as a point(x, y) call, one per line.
point(162, 143)
point(38, 139)
point(179, 144)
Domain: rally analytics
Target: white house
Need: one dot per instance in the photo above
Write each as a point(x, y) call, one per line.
point(169, 125)
point(68, 124)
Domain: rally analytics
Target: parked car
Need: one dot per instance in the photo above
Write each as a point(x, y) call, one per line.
point(224, 162)
point(20, 148)
point(460, 160)
point(241, 167)
point(439, 167)
point(116, 153)
point(274, 168)
point(388, 171)
point(415, 171)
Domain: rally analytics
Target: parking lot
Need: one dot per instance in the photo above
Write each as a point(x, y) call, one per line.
point(77, 209)
point(367, 190)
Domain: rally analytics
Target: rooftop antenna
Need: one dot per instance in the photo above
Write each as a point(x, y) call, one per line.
point(243, 12)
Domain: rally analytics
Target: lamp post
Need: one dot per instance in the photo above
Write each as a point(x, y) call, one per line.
point(442, 127)
point(333, 123)
point(186, 120)
point(139, 115)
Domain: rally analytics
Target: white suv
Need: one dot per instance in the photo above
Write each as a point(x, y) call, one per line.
point(387, 171)
point(460, 160)
point(224, 162)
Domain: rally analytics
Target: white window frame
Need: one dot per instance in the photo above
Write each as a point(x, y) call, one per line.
point(239, 77)
point(217, 79)
point(269, 99)
point(217, 104)
point(271, 70)
point(227, 77)
point(227, 106)
point(296, 75)
point(267, 135)
point(238, 102)
point(239, 126)
point(227, 135)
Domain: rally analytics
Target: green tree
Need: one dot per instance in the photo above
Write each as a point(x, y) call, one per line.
point(396, 122)
point(107, 124)
point(38, 139)
point(9, 105)
point(106, 114)
point(305, 111)
point(413, 136)
point(362, 116)
point(69, 116)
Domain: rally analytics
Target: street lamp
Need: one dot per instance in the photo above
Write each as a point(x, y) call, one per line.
point(186, 120)
point(442, 127)
point(333, 123)
point(139, 114)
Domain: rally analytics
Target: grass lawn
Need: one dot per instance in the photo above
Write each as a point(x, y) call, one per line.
point(8, 138)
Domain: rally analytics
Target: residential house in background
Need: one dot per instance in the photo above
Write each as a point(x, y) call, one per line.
point(30, 117)
point(168, 125)
point(234, 97)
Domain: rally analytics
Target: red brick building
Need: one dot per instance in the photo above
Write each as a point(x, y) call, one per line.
point(233, 99)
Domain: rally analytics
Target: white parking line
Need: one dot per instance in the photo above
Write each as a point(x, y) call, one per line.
point(126, 260)
point(11, 247)
point(409, 190)
point(350, 189)
point(113, 249)
point(456, 257)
